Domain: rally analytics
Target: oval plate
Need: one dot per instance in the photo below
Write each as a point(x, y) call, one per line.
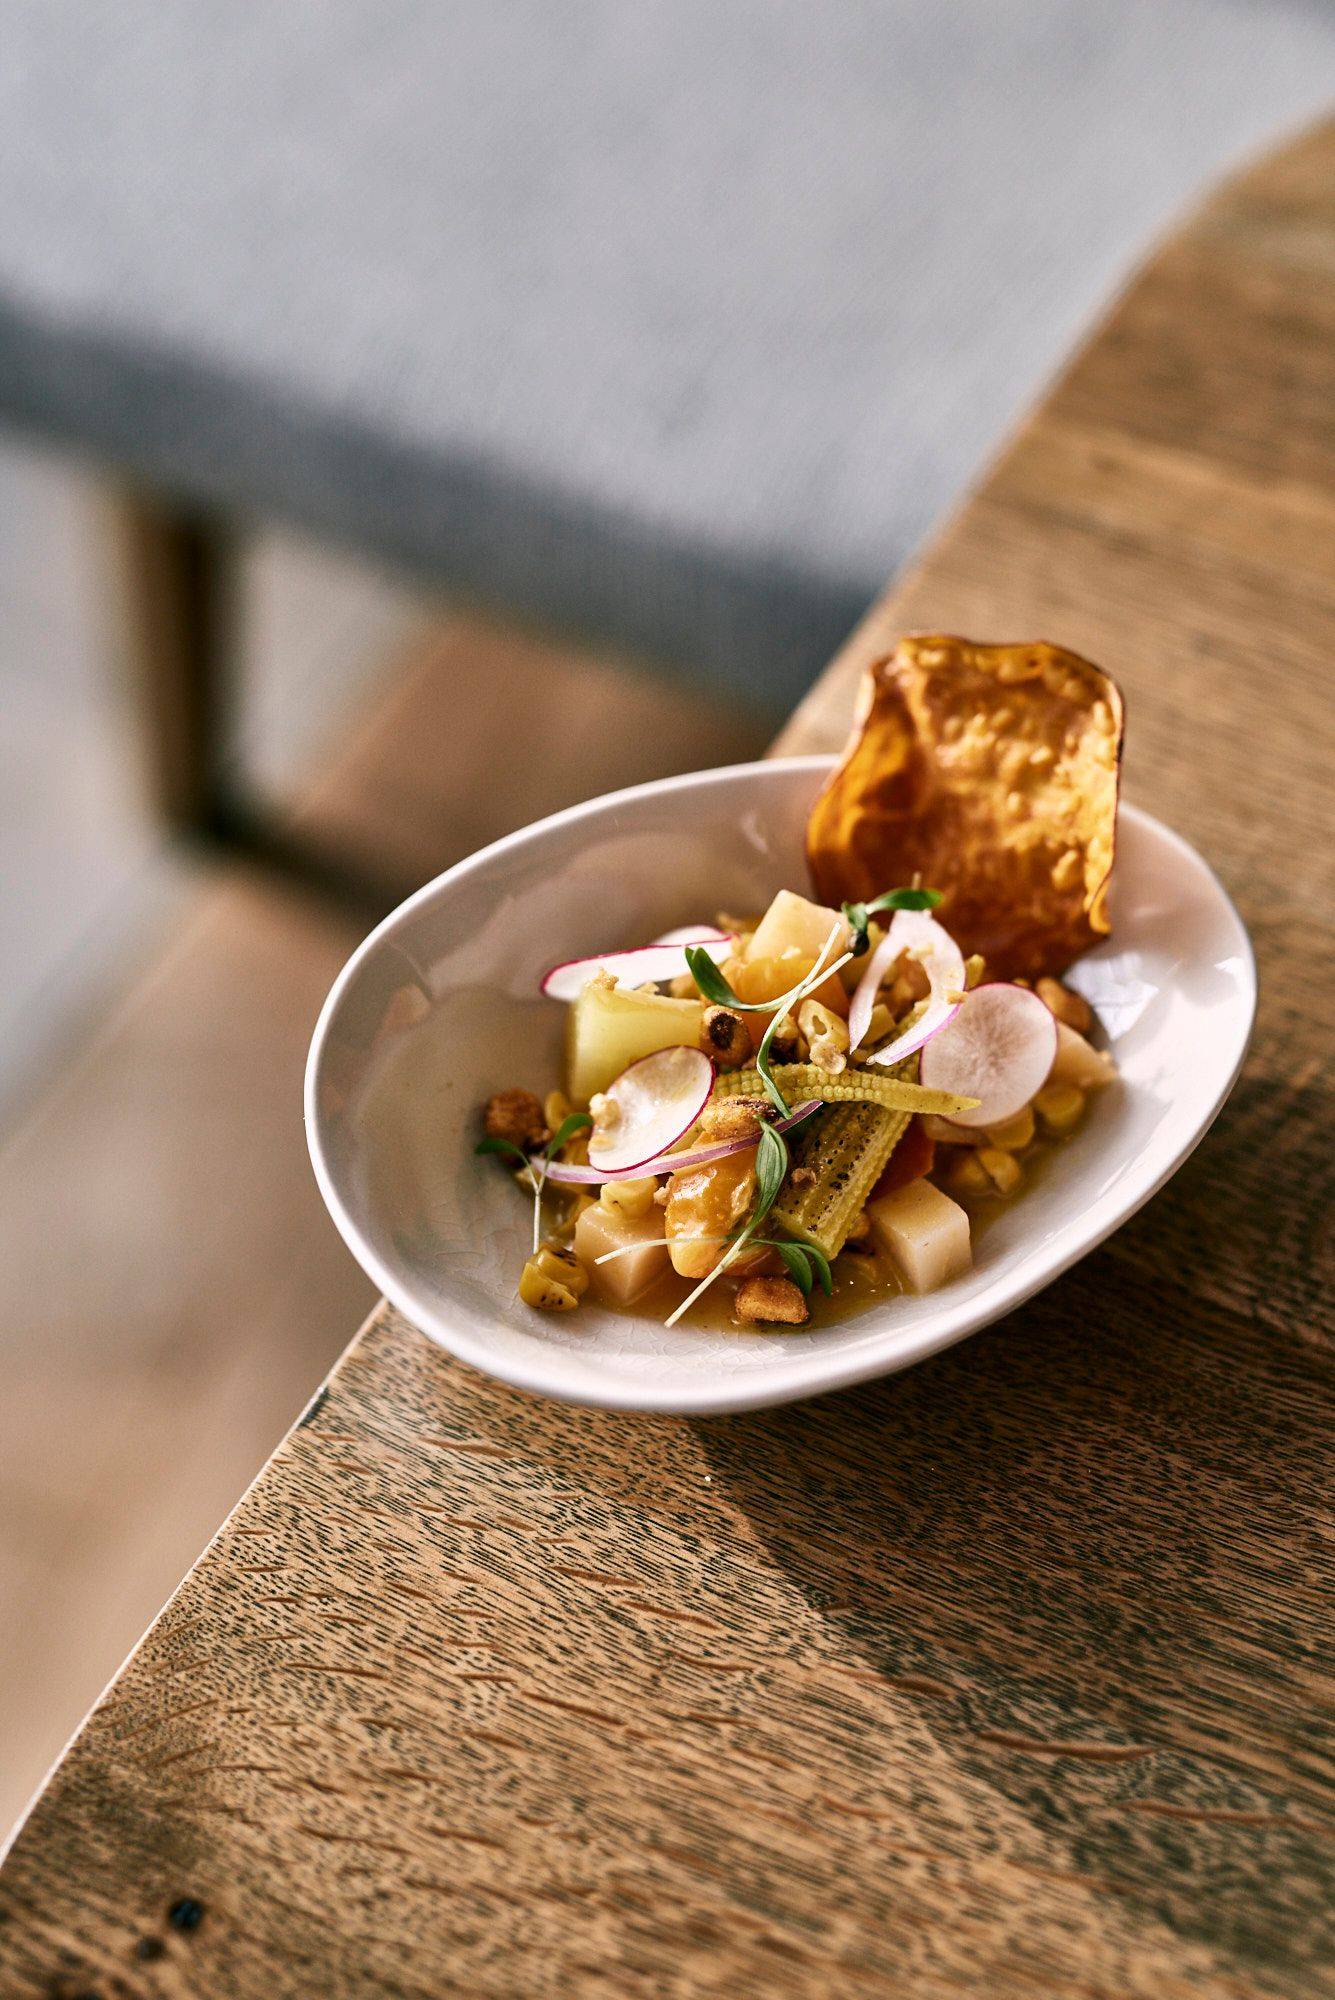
point(440, 1007)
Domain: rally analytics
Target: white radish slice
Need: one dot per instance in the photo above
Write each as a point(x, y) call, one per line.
point(653, 1103)
point(999, 1048)
point(940, 958)
point(649, 964)
point(567, 1175)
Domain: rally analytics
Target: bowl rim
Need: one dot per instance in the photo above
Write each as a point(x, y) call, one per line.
point(794, 1379)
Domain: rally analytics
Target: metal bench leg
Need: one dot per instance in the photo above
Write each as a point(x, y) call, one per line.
point(173, 575)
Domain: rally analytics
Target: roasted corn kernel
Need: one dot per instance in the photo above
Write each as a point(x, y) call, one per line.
point(966, 1177)
point(1015, 1134)
point(724, 1038)
point(630, 1198)
point(563, 1267)
point(1059, 1105)
point(545, 1293)
point(1002, 1169)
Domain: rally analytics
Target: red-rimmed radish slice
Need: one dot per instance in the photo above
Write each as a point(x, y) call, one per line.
point(649, 964)
point(695, 934)
point(999, 1048)
point(653, 1103)
point(670, 1163)
point(940, 958)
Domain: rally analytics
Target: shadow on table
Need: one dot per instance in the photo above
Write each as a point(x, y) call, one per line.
point(1083, 1525)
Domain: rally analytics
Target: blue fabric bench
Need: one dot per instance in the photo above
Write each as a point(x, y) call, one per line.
point(673, 323)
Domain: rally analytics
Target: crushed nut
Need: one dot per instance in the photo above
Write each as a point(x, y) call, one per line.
point(802, 1176)
point(774, 1300)
point(515, 1115)
point(604, 1111)
point(723, 1037)
point(731, 1118)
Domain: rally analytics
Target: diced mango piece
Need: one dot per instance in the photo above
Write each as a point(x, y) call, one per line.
point(791, 923)
point(600, 1229)
point(704, 1205)
point(611, 1026)
point(924, 1232)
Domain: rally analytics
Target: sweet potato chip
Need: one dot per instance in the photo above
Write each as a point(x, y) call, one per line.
point(990, 772)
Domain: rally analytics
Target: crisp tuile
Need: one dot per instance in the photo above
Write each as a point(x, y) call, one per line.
point(991, 773)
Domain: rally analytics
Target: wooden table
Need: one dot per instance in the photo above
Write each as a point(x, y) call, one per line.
point(1006, 1675)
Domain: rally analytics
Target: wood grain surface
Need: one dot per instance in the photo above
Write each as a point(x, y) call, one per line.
point(1009, 1674)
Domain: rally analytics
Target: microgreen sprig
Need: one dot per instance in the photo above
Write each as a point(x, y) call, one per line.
point(715, 987)
point(578, 1121)
point(860, 915)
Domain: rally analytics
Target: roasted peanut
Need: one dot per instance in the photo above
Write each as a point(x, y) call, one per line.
point(772, 1300)
point(515, 1115)
point(724, 1038)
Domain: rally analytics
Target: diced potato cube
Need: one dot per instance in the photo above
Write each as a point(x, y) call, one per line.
point(925, 1232)
point(791, 923)
point(621, 1280)
point(611, 1026)
point(1079, 1063)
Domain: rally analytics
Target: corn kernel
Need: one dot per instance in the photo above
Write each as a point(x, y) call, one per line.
point(967, 1177)
point(683, 987)
point(879, 1024)
point(1067, 1006)
point(630, 1198)
point(1014, 1134)
point(1003, 1170)
point(974, 968)
point(1059, 1105)
point(545, 1294)
point(563, 1267)
point(556, 1108)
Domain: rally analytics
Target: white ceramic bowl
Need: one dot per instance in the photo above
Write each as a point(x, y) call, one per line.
point(439, 1007)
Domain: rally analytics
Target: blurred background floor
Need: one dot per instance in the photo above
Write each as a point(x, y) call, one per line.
point(171, 1290)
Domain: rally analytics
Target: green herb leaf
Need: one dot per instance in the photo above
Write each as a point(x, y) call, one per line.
point(859, 915)
point(766, 1074)
point(578, 1121)
point(771, 1169)
point(799, 1267)
point(503, 1146)
point(709, 979)
point(822, 1265)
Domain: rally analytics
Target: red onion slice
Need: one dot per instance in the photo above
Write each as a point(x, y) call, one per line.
point(671, 1163)
point(940, 958)
point(649, 964)
point(999, 1048)
point(651, 1105)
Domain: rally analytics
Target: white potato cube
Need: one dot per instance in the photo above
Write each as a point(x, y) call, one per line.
point(791, 923)
point(925, 1232)
point(609, 1027)
point(1078, 1062)
point(600, 1229)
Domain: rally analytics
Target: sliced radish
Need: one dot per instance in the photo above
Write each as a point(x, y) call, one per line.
point(653, 1103)
point(999, 1048)
point(940, 958)
point(650, 964)
point(670, 1163)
